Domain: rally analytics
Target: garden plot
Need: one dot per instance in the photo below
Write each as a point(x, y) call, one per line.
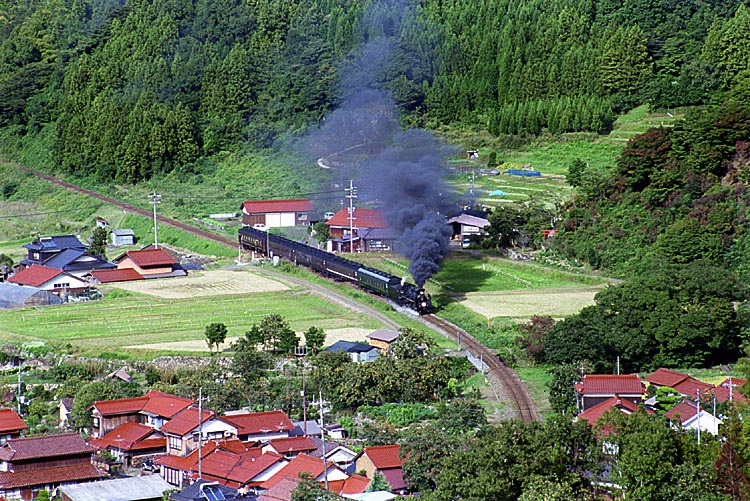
point(205, 283)
point(524, 304)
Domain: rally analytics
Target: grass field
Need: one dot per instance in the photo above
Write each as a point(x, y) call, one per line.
point(126, 319)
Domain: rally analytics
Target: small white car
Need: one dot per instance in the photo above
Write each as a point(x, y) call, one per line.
point(465, 243)
point(328, 215)
point(260, 227)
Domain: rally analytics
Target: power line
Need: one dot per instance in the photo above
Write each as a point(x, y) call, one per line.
point(10, 216)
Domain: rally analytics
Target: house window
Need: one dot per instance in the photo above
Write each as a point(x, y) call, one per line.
point(62, 286)
point(302, 217)
point(175, 442)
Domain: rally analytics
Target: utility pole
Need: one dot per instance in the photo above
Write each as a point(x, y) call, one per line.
point(200, 433)
point(323, 439)
point(155, 200)
point(351, 195)
point(20, 389)
point(698, 412)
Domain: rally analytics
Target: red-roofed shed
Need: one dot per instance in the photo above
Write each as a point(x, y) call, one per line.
point(110, 276)
point(276, 213)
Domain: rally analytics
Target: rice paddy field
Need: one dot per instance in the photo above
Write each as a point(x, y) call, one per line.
point(168, 315)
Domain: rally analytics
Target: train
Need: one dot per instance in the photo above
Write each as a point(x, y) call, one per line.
point(338, 268)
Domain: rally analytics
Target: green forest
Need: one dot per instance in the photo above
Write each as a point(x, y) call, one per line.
point(126, 90)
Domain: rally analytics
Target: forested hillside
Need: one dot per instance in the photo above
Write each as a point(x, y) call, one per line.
point(129, 89)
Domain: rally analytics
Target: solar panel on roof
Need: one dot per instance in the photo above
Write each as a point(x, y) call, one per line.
point(213, 493)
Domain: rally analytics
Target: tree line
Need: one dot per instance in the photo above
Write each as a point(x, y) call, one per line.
point(131, 89)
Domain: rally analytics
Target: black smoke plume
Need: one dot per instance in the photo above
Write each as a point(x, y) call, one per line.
point(402, 170)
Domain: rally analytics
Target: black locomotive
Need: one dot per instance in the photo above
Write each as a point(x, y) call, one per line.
point(336, 267)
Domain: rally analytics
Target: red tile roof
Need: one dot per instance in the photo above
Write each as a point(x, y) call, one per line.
point(186, 421)
point(685, 410)
point(356, 484)
point(690, 386)
point(234, 469)
point(282, 490)
point(149, 257)
point(131, 436)
point(395, 478)
point(35, 275)
point(123, 275)
point(164, 404)
point(301, 463)
point(252, 423)
point(384, 456)
point(49, 476)
point(18, 449)
point(120, 406)
point(291, 444)
point(595, 413)
point(666, 377)
point(722, 394)
point(11, 422)
point(189, 462)
point(363, 218)
point(265, 206)
point(609, 384)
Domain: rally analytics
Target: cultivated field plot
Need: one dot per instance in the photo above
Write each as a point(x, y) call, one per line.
point(521, 305)
point(154, 323)
point(205, 283)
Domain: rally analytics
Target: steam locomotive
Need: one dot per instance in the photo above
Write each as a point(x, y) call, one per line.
point(336, 267)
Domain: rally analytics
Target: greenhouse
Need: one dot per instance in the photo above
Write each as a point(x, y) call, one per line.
point(21, 296)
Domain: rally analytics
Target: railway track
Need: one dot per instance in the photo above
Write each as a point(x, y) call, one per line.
point(502, 375)
point(515, 390)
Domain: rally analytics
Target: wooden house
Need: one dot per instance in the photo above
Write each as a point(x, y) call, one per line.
point(149, 263)
point(29, 465)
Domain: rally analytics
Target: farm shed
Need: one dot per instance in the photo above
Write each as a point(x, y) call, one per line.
point(21, 296)
point(124, 236)
point(276, 213)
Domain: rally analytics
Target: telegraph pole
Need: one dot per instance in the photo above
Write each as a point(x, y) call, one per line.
point(323, 439)
point(155, 200)
point(351, 195)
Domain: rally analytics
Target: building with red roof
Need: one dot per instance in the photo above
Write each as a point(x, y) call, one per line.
point(49, 279)
point(131, 442)
point(367, 231)
point(593, 414)
point(386, 460)
point(682, 383)
point(291, 447)
point(111, 276)
point(153, 409)
point(276, 213)
point(307, 464)
point(261, 426)
point(28, 465)
point(11, 425)
point(183, 429)
point(149, 263)
point(688, 416)
point(594, 389)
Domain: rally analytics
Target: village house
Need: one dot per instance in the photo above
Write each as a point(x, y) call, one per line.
point(153, 409)
point(682, 383)
point(182, 431)
point(386, 460)
point(229, 462)
point(64, 252)
point(276, 213)
point(131, 443)
point(468, 224)
point(595, 413)
point(594, 389)
point(150, 263)
point(290, 447)
point(53, 280)
point(686, 415)
point(11, 425)
point(307, 464)
point(368, 231)
point(144, 488)
point(260, 426)
point(358, 352)
point(382, 338)
point(29, 465)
